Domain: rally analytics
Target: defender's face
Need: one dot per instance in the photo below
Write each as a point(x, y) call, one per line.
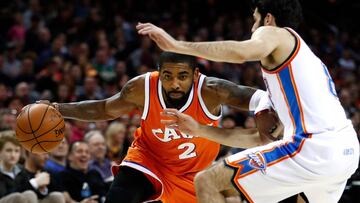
point(177, 80)
point(257, 20)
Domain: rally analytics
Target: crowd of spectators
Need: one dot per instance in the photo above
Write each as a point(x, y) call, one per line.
point(74, 50)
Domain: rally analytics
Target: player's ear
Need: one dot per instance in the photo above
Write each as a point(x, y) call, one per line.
point(269, 20)
point(196, 74)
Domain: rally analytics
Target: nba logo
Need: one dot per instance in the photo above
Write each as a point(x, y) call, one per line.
point(257, 161)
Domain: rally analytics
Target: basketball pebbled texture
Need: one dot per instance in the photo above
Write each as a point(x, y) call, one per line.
point(40, 128)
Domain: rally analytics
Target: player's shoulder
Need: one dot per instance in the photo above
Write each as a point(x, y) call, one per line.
point(269, 32)
point(135, 85)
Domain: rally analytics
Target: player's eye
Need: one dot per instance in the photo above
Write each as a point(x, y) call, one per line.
point(182, 77)
point(167, 77)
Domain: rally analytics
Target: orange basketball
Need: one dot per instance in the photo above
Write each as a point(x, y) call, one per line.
point(40, 128)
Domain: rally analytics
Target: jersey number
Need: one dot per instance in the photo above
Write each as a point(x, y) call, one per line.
point(330, 81)
point(189, 150)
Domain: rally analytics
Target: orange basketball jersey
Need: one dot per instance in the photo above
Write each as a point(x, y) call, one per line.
point(158, 151)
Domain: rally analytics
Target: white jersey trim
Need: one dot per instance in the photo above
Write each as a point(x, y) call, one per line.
point(187, 104)
point(144, 170)
point(202, 104)
point(147, 96)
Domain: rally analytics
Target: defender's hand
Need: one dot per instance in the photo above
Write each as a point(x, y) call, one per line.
point(158, 35)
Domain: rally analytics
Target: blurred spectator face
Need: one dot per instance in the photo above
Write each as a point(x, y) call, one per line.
point(228, 123)
point(10, 154)
point(79, 156)
point(120, 68)
point(59, 42)
point(97, 146)
point(76, 72)
point(101, 125)
point(90, 84)
point(27, 66)
point(37, 160)
point(63, 92)
point(7, 119)
point(3, 92)
point(16, 103)
point(44, 35)
point(101, 56)
point(84, 49)
point(116, 134)
point(250, 122)
point(345, 97)
point(61, 150)
point(22, 90)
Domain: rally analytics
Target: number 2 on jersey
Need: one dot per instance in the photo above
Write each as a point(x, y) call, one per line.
point(189, 150)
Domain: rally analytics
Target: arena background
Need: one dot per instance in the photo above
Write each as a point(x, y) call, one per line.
point(65, 51)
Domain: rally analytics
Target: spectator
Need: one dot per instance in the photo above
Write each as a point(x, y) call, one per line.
point(44, 184)
point(57, 161)
point(115, 140)
point(7, 119)
point(98, 161)
point(82, 183)
point(11, 174)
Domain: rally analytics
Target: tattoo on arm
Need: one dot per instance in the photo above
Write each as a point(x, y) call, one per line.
point(231, 94)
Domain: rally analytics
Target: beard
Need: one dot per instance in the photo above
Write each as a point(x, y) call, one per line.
point(176, 102)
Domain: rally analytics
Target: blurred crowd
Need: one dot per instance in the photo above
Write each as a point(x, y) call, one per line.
point(74, 50)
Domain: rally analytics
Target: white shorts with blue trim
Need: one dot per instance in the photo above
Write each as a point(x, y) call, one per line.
point(317, 165)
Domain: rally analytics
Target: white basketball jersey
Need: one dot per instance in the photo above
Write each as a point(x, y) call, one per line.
point(303, 93)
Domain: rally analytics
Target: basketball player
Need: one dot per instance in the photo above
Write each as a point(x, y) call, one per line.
point(161, 163)
point(319, 150)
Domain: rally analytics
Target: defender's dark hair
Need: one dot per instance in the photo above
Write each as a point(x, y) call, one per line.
point(170, 57)
point(287, 13)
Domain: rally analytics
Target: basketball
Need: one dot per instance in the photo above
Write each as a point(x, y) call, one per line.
point(39, 128)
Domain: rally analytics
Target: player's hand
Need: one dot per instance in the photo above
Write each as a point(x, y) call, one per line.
point(268, 125)
point(179, 121)
point(42, 179)
point(158, 35)
point(47, 102)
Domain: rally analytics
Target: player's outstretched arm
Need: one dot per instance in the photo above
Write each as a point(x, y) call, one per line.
point(228, 93)
point(130, 97)
point(237, 137)
point(262, 43)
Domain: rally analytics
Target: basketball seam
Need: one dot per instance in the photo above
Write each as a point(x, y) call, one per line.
point(35, 137)
point(44, 141)
point(33, 133)
point(42, 119)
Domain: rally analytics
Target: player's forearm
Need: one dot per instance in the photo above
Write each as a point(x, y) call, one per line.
point(237, 137)
point(221, 51)
point(92, 110)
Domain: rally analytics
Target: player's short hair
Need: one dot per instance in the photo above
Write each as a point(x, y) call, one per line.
point(8, 136)
point(73, 145)
point(91, 134)
point(287, 13)
point(170, 57)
